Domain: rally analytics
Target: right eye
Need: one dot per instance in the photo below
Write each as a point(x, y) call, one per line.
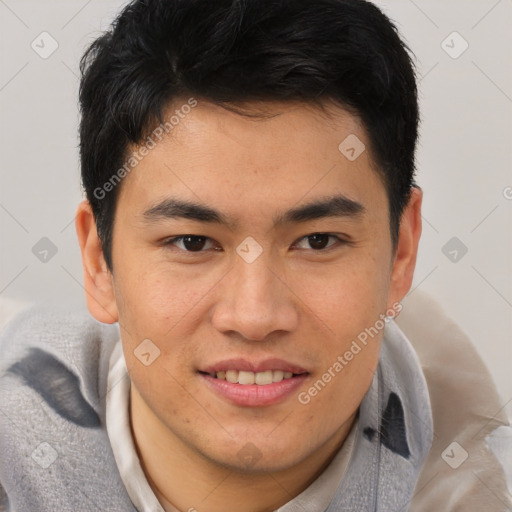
point(189, 243)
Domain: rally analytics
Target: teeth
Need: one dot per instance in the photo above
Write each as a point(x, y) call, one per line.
point(263, 378)
point(247, 378)
point(277, 375)
point(231, 376)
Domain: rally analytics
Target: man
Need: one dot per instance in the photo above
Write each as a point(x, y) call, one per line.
point(251, 225)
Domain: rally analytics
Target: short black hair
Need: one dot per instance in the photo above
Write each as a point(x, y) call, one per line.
point(234, 51)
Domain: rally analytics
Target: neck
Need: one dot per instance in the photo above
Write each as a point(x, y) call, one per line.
point(169, 463)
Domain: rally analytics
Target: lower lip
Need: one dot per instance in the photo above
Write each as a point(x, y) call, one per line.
point(254, 395)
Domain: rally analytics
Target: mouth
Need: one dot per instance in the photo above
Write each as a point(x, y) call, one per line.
point(247, 378)
point(254, 385)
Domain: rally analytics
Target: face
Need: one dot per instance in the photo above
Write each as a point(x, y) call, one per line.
point(253, 251)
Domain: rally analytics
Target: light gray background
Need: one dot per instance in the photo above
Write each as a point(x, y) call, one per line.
point(464, 158)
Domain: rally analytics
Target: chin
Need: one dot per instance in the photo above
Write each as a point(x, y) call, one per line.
point(259, 454)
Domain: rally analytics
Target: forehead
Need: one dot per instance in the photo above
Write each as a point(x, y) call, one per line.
point(267, 128)
point(294, 151)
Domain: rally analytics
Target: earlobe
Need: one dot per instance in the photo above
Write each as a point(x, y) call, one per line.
point(97, 278)
point(407, 249)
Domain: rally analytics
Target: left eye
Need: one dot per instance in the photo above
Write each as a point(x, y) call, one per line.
point(318, 241)
point(190, 243)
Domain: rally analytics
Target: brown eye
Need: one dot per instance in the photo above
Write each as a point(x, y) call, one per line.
point(319, 241)
point(189, 243)
point(194, 243)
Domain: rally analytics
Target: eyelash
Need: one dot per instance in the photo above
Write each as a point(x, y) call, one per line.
point(340, 241)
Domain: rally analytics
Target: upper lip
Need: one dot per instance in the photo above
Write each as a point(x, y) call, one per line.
point(252, 366)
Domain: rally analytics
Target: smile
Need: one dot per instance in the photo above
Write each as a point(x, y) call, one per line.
point(247, 378)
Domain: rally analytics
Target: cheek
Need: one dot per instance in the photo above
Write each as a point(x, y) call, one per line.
point(350, 309)
point(166, 307)
point(157, 297)
point(348, 303)
point(347, 296)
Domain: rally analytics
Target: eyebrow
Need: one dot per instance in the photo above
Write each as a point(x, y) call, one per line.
point(333, 206)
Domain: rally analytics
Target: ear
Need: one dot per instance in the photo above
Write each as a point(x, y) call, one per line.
point(97, 278)
point(407, 248)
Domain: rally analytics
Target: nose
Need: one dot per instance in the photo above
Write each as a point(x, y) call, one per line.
point(255, 302)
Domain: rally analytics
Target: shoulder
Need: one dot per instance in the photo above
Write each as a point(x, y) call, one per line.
point(462, 471)
point(54, 375)
point(53, 349)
